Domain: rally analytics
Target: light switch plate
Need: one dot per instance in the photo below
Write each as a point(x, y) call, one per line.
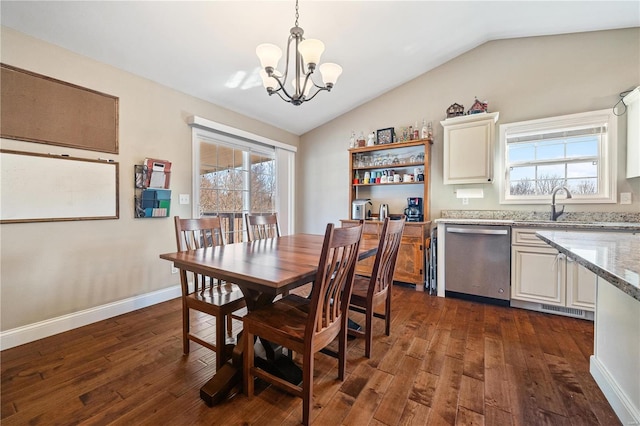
point(625, 198)
point(184, 198)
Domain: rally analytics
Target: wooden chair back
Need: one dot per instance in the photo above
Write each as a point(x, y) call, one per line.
point(260, 227)
point(193, 234)
point(386, 258)
point(333, 284)
point(209, 295)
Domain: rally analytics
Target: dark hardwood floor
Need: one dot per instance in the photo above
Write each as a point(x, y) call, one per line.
point(447, 362)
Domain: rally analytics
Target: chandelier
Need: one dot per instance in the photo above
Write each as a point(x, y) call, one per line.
point(307, 57)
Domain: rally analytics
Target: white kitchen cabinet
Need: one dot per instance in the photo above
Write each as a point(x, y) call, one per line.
point(537, 275)
point(632, 100)
point(468, 148)
point(581, 286)
point(547, 280)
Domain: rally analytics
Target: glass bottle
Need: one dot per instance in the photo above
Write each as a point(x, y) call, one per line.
point(424, 133)
point(352, 141)
point(416, 131)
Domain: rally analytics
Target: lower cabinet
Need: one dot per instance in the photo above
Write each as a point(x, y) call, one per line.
point(539, 273)
point(411, 264)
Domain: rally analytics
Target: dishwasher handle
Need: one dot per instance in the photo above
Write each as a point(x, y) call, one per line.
point(482, 231)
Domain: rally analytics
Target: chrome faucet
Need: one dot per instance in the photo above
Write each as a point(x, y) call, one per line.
point(555, 215)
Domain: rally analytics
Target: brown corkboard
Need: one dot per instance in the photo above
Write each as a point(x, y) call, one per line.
point(36, 108)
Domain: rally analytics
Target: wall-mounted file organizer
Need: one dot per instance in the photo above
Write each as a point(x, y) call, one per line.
point(152, 193)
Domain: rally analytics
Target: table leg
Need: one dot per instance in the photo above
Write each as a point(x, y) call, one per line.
point(229, 376)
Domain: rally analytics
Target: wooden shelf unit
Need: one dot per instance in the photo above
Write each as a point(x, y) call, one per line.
point(386, 154)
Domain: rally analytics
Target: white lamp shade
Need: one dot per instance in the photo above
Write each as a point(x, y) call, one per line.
point(311, 50)
point(330, 72)
point(268, 82)
point(269, 55)
point(306, 89)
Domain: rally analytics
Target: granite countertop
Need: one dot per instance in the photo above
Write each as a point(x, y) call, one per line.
point(612, 256)
point(534, 223)
point(605, 221)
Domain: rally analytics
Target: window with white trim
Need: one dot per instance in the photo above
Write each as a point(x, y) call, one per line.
point(577, 151)
point(236, 172)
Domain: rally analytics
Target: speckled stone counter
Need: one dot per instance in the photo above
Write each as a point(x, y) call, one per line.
point(626, 222)
point(547, 224)
point(612, 256)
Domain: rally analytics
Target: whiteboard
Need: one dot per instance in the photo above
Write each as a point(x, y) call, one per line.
point(44, 188)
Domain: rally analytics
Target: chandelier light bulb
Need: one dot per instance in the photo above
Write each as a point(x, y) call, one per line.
point(269, 55)
point(330, 73)
point(268, 82)
point(306, 89)
point(311, 50)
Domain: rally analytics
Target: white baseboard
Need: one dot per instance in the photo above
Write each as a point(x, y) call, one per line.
point(29, 333)
point(619, 401)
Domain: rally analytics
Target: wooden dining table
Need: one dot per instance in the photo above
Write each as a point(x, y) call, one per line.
point(262, 269)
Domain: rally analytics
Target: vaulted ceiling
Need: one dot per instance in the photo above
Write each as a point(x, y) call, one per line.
point(207, 48)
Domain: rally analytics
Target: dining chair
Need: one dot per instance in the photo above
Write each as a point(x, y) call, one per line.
point(209, 295)
point(369, 292)
point(307, 331)
point(260, 227)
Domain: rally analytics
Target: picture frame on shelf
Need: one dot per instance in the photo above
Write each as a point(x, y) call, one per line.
point(403, 134)
point(384, 136)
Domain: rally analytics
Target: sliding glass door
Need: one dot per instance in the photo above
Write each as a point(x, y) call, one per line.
point(235, 180)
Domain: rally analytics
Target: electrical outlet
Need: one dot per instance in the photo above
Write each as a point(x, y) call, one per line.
point(625, 198)
point(465, 201)
point(184, 198)
point(174, 270)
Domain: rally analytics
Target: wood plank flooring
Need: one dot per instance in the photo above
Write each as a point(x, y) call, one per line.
point(447, 362)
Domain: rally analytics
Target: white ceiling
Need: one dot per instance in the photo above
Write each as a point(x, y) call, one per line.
point(207, 49)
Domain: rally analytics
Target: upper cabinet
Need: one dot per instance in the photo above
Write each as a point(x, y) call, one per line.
point(468, 148)
point(632, 100)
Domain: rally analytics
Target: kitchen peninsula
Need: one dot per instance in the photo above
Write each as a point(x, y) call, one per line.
point(615, 363)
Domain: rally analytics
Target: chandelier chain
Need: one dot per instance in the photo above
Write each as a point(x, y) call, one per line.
point(297, 14)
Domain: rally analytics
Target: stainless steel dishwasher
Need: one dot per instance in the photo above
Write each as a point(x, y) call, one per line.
point(478, 262)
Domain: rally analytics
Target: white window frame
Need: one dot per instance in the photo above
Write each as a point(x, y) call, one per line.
point(607, 163)
point(204, 129)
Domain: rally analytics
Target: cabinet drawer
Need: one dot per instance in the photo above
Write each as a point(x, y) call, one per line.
point(527, 237)
point(369, 227)
point(413, 231)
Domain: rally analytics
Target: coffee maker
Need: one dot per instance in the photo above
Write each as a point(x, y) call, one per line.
point(414, 210)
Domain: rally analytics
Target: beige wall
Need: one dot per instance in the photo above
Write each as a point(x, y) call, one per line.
point(56, 268)
point(523, 79)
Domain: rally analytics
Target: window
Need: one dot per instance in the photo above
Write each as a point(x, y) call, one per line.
point(235, 180)
point(235, 172)
point(576, 151)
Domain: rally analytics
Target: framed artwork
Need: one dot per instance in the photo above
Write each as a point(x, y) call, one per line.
point(385, 136)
